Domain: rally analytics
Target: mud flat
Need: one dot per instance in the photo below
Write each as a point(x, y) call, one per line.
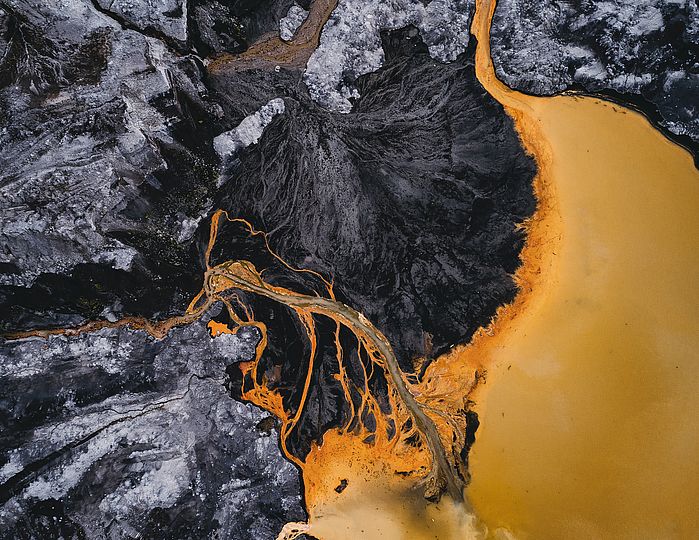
point(354, 490)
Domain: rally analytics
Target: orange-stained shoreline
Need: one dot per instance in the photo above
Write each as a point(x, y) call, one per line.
point(585, 431)
point(450, 383)
point(562, 377)
point(544, 229)
point(576, 438)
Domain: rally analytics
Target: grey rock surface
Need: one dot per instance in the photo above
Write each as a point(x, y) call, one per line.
point(645, 50)
point(291, 22)
point(249, 130)
point(80, 133)
point(350, 44)
point(168, 17)
point(113, 434)
point(103, 168)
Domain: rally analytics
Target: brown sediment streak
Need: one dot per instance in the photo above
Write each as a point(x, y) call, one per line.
point(270, 50)
point(157, 329)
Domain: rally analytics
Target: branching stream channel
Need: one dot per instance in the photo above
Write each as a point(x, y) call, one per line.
point(406, 420)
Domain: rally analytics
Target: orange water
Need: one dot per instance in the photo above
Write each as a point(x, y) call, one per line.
point(588, 418)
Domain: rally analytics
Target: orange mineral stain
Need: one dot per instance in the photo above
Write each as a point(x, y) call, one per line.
point(370, 491)
point(409, 437)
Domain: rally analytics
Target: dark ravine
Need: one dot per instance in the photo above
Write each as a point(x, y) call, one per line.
point(409, 220)
point(420, 238)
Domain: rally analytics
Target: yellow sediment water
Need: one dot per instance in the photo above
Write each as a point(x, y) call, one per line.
point(589, 425)
point(588, 416)
point(376, 503)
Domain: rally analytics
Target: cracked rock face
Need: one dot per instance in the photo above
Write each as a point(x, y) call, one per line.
point(74, 148)
point(647, 51)
point(106, 168)
point(249, 130)
point(112, 434)
point(166, 16)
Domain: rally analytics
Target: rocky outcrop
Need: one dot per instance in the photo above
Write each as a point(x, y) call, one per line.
point(168, 18)
point(350, 45)
point(249, 130)
point(80, 135)
point(641, 52)
point(291, 22)
point(106, 163)
point(112, 434)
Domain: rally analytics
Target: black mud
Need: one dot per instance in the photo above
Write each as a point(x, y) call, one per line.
point(409, 203)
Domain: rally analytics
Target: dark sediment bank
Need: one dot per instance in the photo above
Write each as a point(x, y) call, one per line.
point(409, 203)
